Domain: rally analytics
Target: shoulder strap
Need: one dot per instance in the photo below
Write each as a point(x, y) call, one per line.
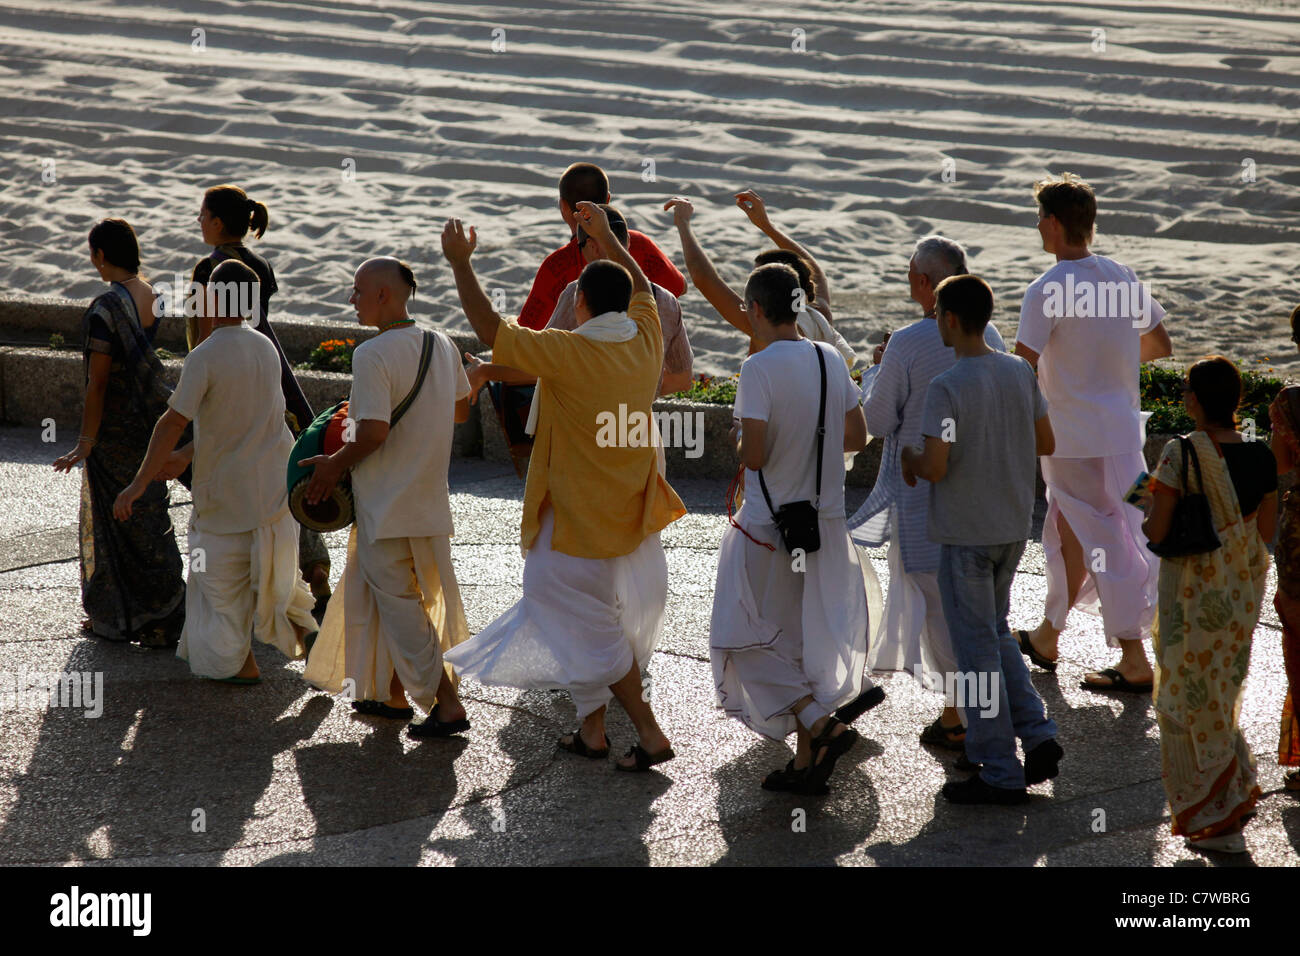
point(1196, 463)
point(426, 356)
point(821, 424)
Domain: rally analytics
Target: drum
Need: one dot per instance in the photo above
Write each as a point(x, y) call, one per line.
point(324, 436)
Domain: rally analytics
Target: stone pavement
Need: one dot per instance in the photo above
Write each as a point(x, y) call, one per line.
point(286, 775)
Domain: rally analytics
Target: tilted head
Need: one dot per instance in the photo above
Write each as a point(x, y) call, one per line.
point(590, 247)
point(380, 290)
point(1213, 392)
point(963, 305)
point(227, 214)
point(113, 243)
point(1067, 212)
point(796, 262)
point(934, 259)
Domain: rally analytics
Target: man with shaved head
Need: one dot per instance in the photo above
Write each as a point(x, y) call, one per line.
point(401, 606)
point(243, 578)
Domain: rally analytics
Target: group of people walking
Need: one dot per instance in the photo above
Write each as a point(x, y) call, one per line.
point(793, 642)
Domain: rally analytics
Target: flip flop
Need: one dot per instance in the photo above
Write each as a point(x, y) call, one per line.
point(1228, 843)
point(1118, 683)
point(433, 727)
point(1038, 659)
point(950, 738)
point(644, 759)
point(377, 708)
point(237, 681)
point(579, 746)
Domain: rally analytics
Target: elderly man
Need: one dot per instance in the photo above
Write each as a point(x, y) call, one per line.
point(912, 635)
point(401, 605)
point(595, 574)
point(243, 579)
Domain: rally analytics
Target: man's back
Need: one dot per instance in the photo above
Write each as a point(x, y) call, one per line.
point(781, 385)
point(985, 407)
point(593, 457)
point(401, 488)
point(1084, 317)
point(230, 388)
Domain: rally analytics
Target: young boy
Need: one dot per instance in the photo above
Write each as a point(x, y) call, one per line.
point(984, 422)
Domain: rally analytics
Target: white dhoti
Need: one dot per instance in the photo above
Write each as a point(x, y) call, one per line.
point(1121, 575)
point(397, 609)
point(242, 586)
point(911, 634)
point(781, 633)
point(580, 626)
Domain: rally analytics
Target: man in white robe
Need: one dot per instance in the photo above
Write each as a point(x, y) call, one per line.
point(788, 637)
point(595, 574)
point(243, 579)
point(401, 606)
point(1087, 324)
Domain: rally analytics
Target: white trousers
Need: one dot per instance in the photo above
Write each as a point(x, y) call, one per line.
point(242, 586)
point(397, 609)
point(1121, 575)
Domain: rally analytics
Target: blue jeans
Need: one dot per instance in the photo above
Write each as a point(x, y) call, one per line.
point(975, 585)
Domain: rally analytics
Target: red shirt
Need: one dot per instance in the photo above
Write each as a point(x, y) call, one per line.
point(566, 263)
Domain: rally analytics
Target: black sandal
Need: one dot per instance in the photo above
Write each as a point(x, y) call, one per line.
point(1038, 659)
point(377, 708)
point(814, 781)
point(431, 726)
point(1118, 683)
point(644, 759)
point(788, 780)
point(860, 705)
point(579, 746)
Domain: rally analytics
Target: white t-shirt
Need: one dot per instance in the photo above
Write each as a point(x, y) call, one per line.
point(230, 389)
point(781, 386)
point(1085, 317)
point(401, 487)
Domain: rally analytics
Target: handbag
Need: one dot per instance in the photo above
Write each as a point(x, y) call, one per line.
point(796, 521)
point(325, 436)
point(1191, 530)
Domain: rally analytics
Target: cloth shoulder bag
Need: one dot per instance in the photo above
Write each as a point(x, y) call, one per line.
point(1192, 529)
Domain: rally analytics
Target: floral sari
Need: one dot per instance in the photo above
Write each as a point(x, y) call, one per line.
point(1285, 416)
point(1209, 606)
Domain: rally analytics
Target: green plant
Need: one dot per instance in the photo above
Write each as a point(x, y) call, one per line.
point(1161, 391)
point(163, 354)
point(712, 390)
point(56, 340)
point(332, 355)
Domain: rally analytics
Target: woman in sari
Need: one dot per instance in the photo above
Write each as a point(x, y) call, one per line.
point(1209, 605)
point(1285, 416)
point(226, 217)
point(132, 586)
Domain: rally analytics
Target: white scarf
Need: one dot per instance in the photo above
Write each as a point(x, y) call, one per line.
point(606, 327)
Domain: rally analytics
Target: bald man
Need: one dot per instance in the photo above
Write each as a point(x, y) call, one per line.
point(401, 606)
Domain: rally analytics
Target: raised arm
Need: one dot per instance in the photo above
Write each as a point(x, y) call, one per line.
point(704, 276)
point(457, 247)
point(752, 205)
point(596, 223)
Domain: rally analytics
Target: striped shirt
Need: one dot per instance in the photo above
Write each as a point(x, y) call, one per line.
point(895, 398)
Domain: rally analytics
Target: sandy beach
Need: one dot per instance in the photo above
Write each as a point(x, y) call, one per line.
point(364, 125)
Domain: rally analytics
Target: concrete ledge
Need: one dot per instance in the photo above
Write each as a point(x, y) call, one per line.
point(41, 384)
point(32, 320)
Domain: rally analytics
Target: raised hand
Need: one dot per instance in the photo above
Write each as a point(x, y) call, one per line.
point(751, 203)
point(682, 209)
point(456, 246)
